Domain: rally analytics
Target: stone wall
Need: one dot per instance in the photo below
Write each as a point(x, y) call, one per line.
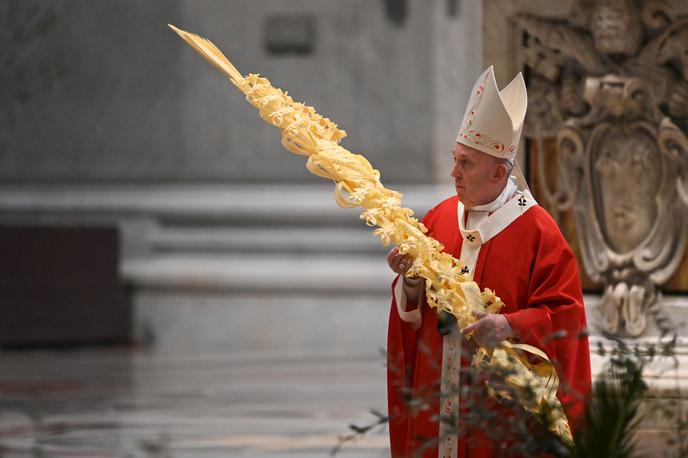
point(103, 91)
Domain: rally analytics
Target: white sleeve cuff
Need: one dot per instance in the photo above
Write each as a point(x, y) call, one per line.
point(412, 317)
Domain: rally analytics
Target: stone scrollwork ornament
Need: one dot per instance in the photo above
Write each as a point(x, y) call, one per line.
point(611, 85)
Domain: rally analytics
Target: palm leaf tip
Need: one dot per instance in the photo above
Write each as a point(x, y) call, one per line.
point(211, 52)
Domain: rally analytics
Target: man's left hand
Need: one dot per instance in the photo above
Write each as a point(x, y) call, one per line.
point(489, 330)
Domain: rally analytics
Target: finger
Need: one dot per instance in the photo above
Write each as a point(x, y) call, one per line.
point(478, 324)
point(399, 263)
point(405, 264)
point(394, 263)
point(478, 314)
point(471, 328)
point(391, 255)
point(483, 342)
point(478, 341)
point(484, 336)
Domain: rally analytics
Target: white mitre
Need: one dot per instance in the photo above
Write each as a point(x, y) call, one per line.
point(494, 119)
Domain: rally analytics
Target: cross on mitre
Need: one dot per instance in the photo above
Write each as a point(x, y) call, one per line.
point(494, 119)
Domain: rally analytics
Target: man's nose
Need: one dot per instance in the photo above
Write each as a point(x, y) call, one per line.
point(455, 171)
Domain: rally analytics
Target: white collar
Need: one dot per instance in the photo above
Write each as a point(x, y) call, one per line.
point(507, 193)
point(513, 207)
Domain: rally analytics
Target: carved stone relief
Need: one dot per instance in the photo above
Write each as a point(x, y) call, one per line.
point(610, 82)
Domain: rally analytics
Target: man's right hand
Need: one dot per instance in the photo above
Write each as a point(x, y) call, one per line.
point(399, 263)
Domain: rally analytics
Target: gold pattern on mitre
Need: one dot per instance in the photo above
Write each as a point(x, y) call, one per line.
point(494, 119)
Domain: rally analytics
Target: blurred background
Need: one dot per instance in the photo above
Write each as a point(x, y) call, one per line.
point(111, 122)
point(173, 281)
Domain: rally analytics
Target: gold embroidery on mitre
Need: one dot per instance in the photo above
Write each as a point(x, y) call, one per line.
point(480, 138)
point(473, 136)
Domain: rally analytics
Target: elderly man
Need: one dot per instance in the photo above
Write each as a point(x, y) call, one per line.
point(507, 243)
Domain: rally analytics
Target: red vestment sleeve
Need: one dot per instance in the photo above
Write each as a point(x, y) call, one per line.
point(554, 318)
point(401, 359)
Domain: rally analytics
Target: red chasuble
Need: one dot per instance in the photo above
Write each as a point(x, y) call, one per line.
point(532, 269)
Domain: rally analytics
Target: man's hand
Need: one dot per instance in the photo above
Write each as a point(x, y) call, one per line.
point(489, 330)
point(399, 263)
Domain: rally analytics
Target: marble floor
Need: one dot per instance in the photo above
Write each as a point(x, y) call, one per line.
point(132, 403)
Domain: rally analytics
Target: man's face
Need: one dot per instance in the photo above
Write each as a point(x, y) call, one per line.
point(473, 175)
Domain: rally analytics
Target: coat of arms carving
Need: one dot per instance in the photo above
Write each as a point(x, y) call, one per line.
point(610, 83)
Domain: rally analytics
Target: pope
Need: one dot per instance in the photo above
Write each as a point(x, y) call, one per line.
point(508, 243)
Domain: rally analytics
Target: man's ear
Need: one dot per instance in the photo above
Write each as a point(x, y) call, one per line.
point(500, 171)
